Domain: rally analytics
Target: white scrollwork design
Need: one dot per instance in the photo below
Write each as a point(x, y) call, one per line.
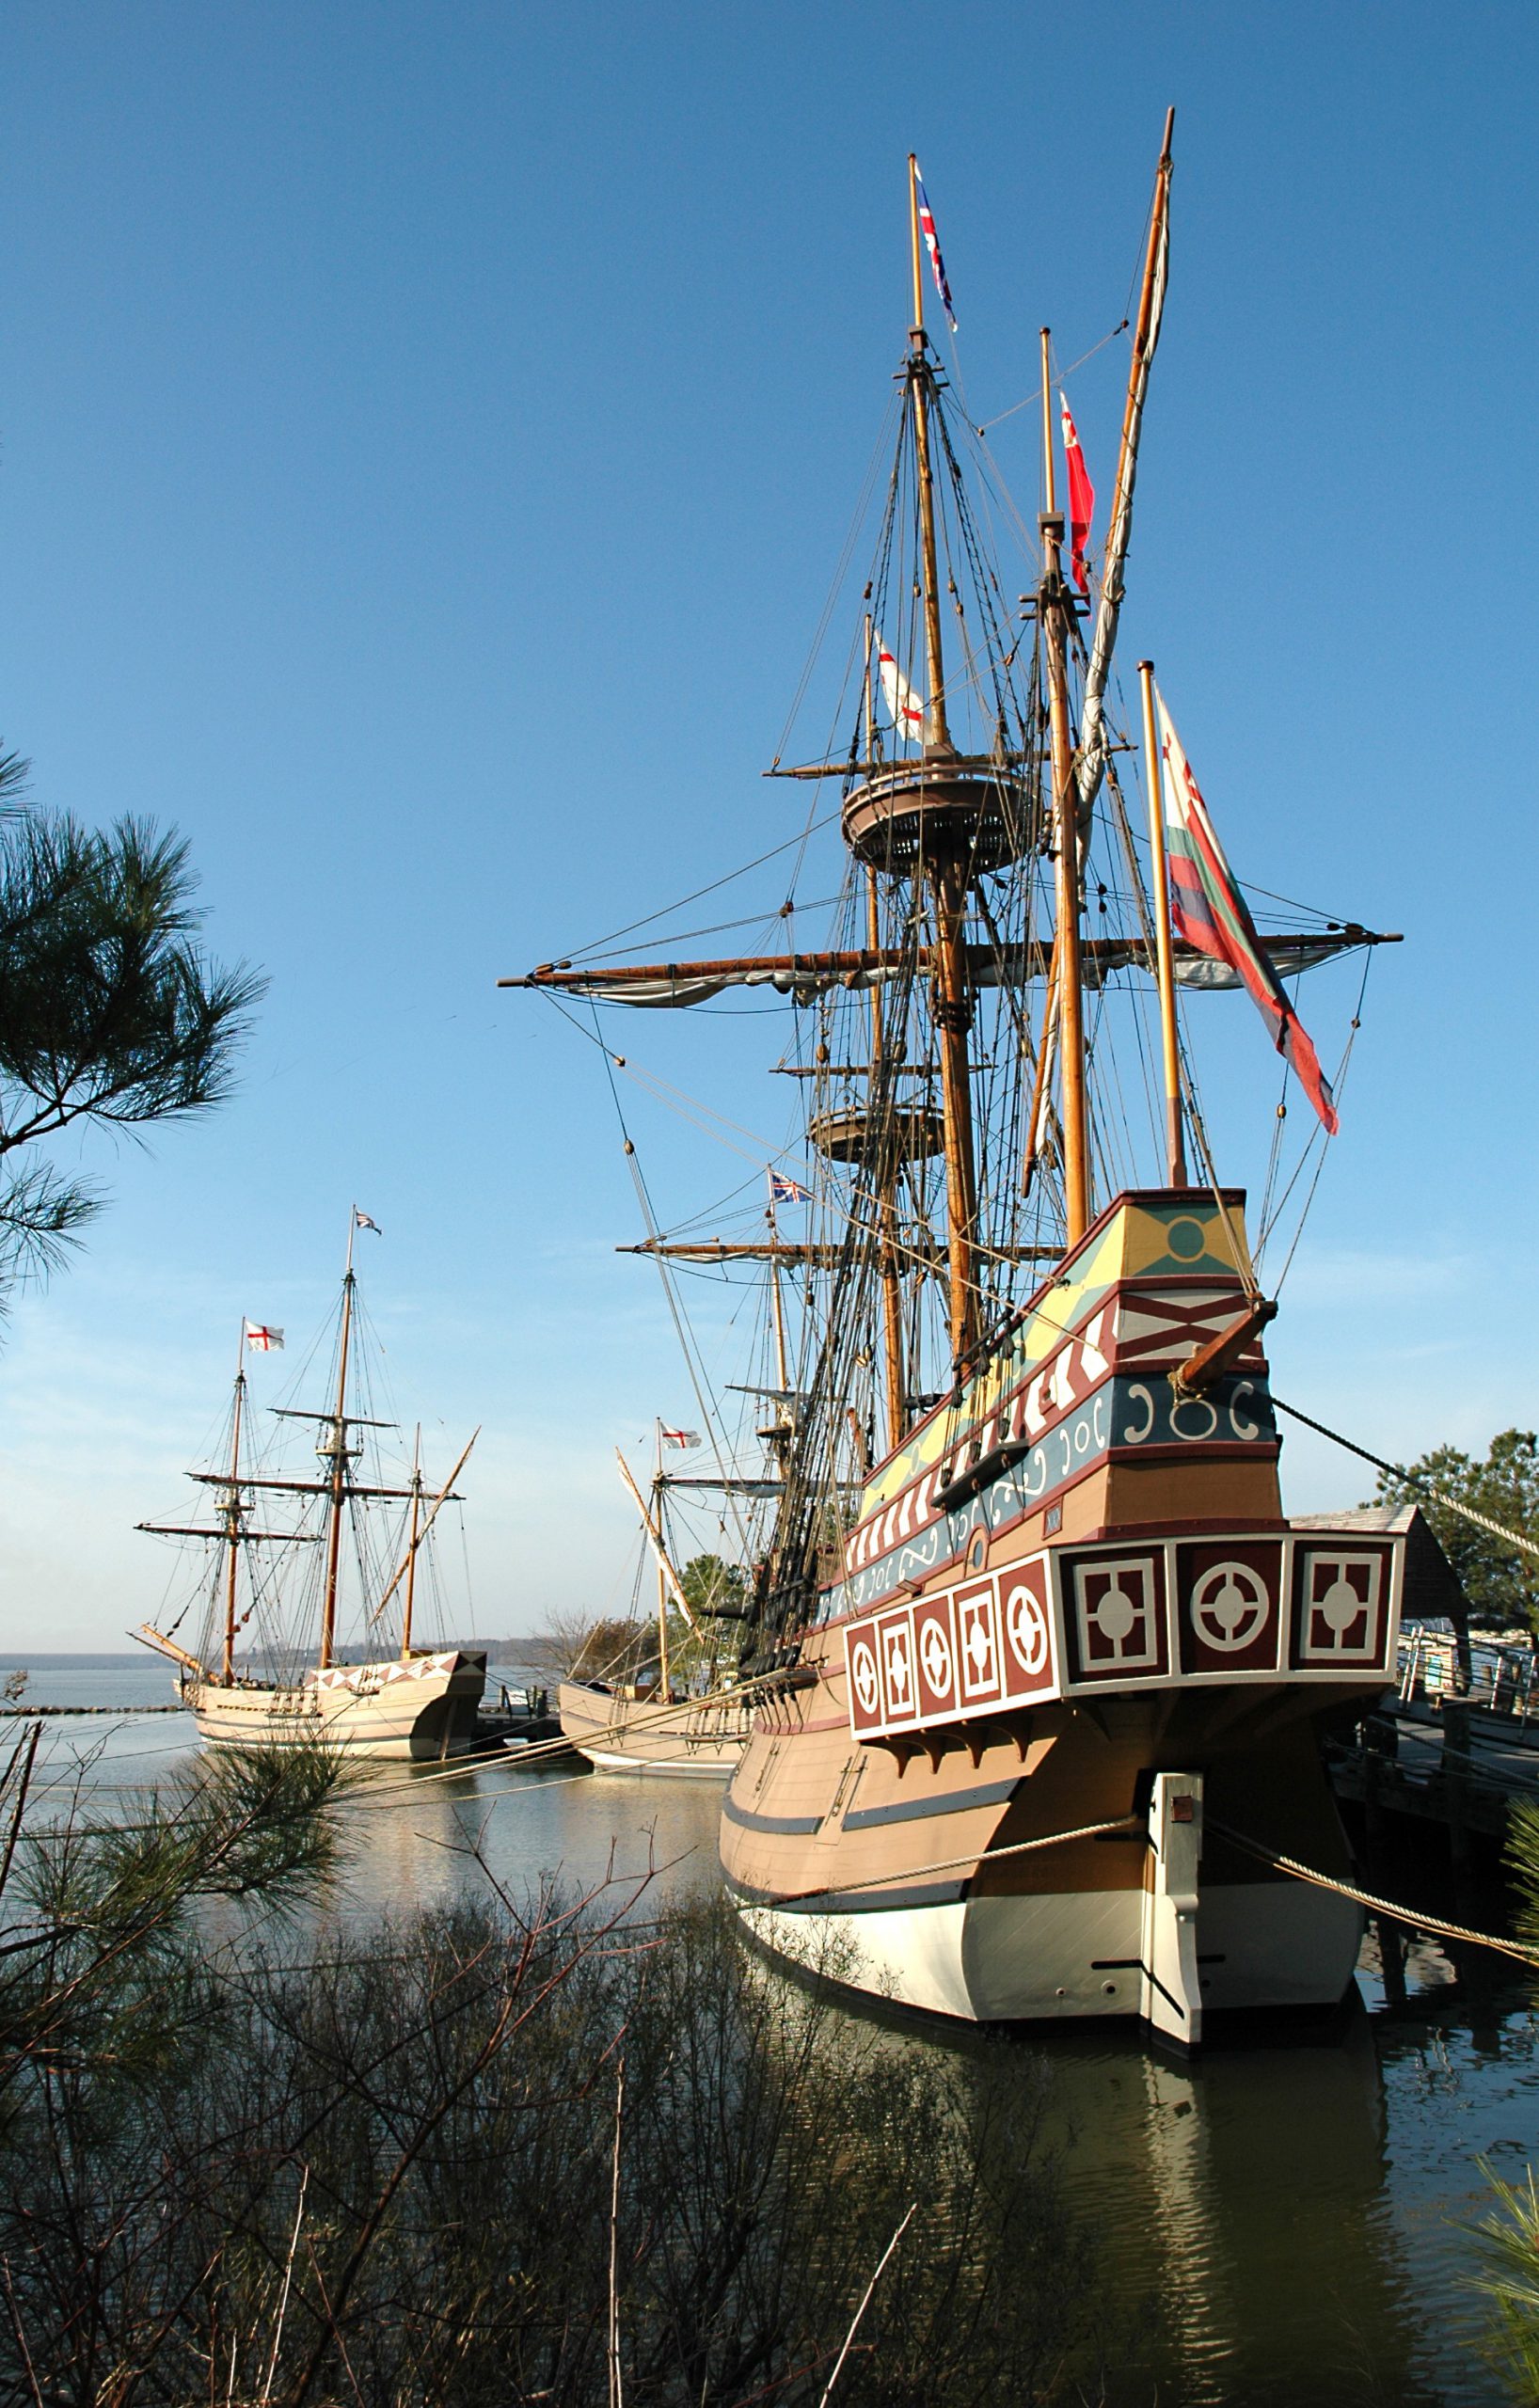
point(1198, 1405)
point(1240, 1423)
point(1132, 1435)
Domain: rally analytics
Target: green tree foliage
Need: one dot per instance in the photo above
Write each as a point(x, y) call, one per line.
point(110, 1014)
point(709, 1584)
point(97, 1965)
point(1509, 2237)
point(1501, 1582)
point(385, 2174)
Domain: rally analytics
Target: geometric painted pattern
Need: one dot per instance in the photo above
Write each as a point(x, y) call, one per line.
point(1241, 1608)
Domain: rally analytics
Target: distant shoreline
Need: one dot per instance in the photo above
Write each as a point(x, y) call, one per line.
point(500, 1651)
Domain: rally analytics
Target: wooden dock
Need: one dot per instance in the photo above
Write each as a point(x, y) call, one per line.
point(1457, 1764)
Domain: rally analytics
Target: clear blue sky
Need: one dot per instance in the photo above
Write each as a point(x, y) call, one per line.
point(426, 438)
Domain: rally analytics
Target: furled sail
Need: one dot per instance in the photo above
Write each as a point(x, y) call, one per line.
point(803, 977)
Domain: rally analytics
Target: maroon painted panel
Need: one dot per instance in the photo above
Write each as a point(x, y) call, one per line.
point(1115, 1614)
point(1231, 1606)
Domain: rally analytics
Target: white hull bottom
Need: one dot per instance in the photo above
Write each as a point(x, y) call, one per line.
point(1046, 1959)
point(423, 1708)
point(1170, 1954)
point(607, 1762)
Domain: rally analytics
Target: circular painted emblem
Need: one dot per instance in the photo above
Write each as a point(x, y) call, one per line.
point(1116, 1614)
point(1229, 1606)
point(1186, 1240)
point(1341, 1605)
point(863, 1670)
point(1026, 1624)
point(935, 1655)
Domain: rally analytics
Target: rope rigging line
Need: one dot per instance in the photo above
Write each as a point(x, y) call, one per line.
point(1415, 1480)
point(1412, 1916)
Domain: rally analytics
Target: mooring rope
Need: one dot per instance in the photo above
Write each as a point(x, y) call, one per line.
point(1415, 1479)
point(953, 1864)
point(1411, 1916)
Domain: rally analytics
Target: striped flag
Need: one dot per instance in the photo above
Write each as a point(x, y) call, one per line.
point(1211, 915)
point(904, 705)
point(1082, 499)
point(933, 244)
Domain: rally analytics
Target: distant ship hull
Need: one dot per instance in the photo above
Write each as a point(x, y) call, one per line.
point(423, 1709)
point(640, 1734)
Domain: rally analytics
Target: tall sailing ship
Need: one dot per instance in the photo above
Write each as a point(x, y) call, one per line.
point(1044, 1666)
point(269, 1668)
point(677, 1713)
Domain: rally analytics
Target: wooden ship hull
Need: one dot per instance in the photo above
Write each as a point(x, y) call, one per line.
point(423, 1709)
point(642, 1734)
point(1074, 1656)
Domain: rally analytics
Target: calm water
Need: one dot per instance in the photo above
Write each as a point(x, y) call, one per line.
point(1281, 2224)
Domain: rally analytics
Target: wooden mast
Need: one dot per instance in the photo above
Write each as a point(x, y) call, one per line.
point(952, 1009)
point(891, 1293)
point(233, 1517)
point(1175, 1138)
point(1053, 608)
point(664, 1690)
point(338, 1451)
point(411, 1549)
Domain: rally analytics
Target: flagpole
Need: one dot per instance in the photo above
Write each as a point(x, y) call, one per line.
point(1174, 1129)
point(1092, 753)
point(1053, 614)
point(917, 321)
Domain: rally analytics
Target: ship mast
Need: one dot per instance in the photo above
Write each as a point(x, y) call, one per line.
point(1053, 610)
point(233, 1517)
point(946, 862)
point(891, 1293)
point(411, 1547)
point(336, 1447)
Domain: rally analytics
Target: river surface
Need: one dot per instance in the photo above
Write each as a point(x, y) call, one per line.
point(1278, 2226)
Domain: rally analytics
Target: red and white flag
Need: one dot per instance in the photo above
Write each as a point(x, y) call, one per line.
point(679, 1438)
point(904, 705)
point(1212, 915)
point(1082, 501)
point(261, 1337)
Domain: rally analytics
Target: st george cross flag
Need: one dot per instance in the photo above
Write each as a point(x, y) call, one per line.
point(679, 1438)
point(904, 705)
point(261, 1337)
point(786, 1191)
point(933, 244)
point(361, 1221)
point(1082, 499)
point(1211, 915)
